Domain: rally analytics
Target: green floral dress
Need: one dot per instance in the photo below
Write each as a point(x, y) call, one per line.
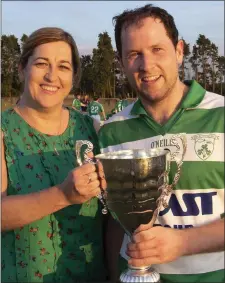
point(66, 246)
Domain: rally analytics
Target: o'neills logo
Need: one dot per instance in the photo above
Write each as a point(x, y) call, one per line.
point(162, 143)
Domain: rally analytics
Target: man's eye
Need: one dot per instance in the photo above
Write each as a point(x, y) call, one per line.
point(157, 49)
point(132, 55)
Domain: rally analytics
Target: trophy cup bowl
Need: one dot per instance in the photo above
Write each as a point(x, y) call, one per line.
point(137, 189)
point(132, 178)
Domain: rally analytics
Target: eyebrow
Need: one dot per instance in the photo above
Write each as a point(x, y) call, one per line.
point(46, 59)
point(131, 51)
point(152, 46)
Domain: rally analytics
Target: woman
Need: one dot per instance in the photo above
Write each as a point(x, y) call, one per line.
point(51, 219)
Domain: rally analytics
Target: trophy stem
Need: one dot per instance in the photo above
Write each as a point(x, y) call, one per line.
point(140, 274)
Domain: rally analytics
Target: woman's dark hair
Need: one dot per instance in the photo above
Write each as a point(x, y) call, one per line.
point(135, 16)
point(51, 34)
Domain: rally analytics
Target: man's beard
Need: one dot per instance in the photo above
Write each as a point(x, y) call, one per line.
point(157, 99)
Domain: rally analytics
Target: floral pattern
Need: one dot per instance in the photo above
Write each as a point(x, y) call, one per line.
point(66, 246)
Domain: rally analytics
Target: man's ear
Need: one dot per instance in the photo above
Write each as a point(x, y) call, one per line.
point(180, 51)
point(21, 73)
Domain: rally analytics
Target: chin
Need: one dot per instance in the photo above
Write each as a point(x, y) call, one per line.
point(47, 104)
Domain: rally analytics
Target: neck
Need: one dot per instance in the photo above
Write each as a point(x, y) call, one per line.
point(40, 112)
point(162, 110)
point(51, 121)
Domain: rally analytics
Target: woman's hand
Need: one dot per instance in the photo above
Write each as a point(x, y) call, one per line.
point(83, 183)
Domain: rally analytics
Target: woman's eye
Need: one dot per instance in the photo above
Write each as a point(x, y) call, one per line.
point(41, 64)
point(64, 67)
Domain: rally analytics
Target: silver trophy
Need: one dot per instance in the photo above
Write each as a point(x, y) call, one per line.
point(137, 189)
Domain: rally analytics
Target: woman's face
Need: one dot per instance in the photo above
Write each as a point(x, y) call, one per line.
point(48, 75)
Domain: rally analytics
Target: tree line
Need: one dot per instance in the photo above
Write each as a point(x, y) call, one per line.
point(103, 76)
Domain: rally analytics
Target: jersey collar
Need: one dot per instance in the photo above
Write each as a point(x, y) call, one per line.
point(192, 99)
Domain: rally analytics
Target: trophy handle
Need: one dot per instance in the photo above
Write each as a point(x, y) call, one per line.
point(89, 148)
point(179, 163)
point(165, 187)
point(87, 159)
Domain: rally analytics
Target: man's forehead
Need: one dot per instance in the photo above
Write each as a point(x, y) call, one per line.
point(138, 23)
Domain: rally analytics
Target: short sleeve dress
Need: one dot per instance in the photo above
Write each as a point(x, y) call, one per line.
point(66, 246)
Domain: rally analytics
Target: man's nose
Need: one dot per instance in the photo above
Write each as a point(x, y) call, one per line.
point(147, 63)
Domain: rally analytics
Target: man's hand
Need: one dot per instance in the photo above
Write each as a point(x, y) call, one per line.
point(155, 245)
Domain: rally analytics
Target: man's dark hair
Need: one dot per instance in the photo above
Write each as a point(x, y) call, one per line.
point(96, 97)
point(129, 17)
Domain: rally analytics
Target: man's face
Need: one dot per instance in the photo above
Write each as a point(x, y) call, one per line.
point(149, 59)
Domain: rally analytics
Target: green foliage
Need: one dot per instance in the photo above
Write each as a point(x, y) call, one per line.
point(102, 68)
point(86, 83)
point(184, 66)
point(103, 75)
point(10, 51)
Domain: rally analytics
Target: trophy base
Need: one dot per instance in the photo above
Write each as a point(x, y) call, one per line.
point(142, 274)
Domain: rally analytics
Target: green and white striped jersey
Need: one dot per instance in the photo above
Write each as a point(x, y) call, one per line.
point(199, 194)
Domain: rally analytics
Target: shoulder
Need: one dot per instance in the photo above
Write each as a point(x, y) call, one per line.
point(122, 115)
point(8, 116)
point(117, 122)
point(91, 125)
point(211, 100)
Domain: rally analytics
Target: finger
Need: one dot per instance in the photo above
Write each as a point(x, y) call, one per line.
point(92, 177)
point(143, 227)
point(143, 253)
point(99, 166)
point(100, 169)
point(143, 236)
point(142, 245)
point(85, 169)
point(89, 189)
point(93, 185)
point(101, 174)
point(94, 192)
point(103, 184)
point(90, 155)
point(137, 262)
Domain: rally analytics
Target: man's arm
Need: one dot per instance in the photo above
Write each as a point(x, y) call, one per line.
point(205, 239)
point(103, 112)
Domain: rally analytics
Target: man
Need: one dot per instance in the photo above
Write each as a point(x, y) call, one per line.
point(95, 109)
point(150, 54)
point(76, 104)
point(85, 101)
point(121, 103)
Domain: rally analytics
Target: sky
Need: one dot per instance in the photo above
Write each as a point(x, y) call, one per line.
point(86, 19)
